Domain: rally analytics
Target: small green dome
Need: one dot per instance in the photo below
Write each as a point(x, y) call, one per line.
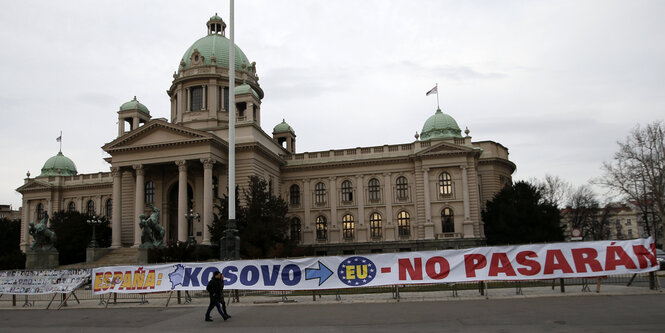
point(246, 89)
point(218, 45)
point(440, 126)
point(283, 127)
point(215, 18)
point(134, 105)
point(58, 165)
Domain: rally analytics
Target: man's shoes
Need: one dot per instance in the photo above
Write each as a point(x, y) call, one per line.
point(208, 319)
point(226, 317)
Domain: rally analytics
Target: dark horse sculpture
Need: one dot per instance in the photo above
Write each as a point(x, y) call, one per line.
point(44, 238)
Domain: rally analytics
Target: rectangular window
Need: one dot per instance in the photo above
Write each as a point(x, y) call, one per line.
point(226, 98)
point(196, 94)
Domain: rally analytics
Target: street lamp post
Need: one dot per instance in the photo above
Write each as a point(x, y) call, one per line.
point(190, 225)
point(94, 221)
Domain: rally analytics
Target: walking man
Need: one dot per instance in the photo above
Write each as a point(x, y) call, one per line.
point(215, 288)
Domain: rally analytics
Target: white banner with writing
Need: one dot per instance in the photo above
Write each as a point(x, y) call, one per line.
point(48, 281)
point(523, 262)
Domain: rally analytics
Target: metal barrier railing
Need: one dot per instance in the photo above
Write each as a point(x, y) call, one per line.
point(85, 293)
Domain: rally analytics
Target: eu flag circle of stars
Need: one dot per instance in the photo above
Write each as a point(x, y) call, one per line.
point(363, 263)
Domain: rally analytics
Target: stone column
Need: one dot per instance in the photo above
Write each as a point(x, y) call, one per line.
point(361, 230)
point(388, 227)
point(207, 199)
point(468, 224)
point(333, 200)
point(121, 127)
point(25, 220)
point(333, 230)
point(135, 122)
point(182, 200)
point(307, 204)
point(429, 226)
point(49, 207)
point(139, 202)
point(117, 203)
point(188, 103)
point(204, 101)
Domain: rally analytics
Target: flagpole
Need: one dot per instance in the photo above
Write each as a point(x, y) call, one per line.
point(232, 119)
point(61, 141)
point(437, 97)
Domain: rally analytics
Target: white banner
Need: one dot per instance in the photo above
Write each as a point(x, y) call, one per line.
point(42, 281)
point(524, 262)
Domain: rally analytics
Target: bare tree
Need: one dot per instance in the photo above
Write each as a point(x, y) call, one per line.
point(583, 211)
point(554, 189)
point(638, 173)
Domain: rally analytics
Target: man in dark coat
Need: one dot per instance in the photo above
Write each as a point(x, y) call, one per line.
point(215, 288)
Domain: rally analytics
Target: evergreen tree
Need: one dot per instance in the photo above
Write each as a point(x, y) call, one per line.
point(221, 218)
point(519, 214)
point(73, 234)
point(263, 228)
point(11, 256)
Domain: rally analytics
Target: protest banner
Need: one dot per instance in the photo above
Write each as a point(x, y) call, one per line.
point(522, 262)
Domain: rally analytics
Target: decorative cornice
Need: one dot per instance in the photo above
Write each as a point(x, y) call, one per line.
point(501, 161)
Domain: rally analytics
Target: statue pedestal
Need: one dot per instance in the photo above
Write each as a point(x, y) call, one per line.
point(143, 256)
point(42, 259)
point(92, 254)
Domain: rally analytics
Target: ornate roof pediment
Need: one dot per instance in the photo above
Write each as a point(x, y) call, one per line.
point(445, 148)
point(156, 133)
point(34, 185)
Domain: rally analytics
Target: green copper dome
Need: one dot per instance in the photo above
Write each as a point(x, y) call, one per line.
point(246, 89)
point(218, 45)
point(283, 127)
point(440, 126)
point(58, 165)
point(134, 105)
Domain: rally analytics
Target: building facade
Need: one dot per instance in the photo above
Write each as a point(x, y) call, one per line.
point(426, 194)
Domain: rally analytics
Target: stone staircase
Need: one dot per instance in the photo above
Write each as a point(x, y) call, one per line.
point(115, 257)
point(119, 256)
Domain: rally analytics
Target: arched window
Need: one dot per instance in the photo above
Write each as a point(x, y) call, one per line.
point(40, 211)
point(71, 207)
point(295, 229)
point(294, 194)
point(375, 225)
point(445, 184)
point(402, 187)
point(447, 220)
point(374, 189)
point(150, 192)
point(321, 227)
point(90, 208)
point(347, 191)
point(109, 208)
point(320, 193)
point(403, 223)
point(349, 226)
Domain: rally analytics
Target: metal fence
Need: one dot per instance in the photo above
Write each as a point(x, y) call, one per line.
point(394, 291)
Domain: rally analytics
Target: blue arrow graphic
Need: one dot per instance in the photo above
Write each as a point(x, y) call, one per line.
point(322, 273)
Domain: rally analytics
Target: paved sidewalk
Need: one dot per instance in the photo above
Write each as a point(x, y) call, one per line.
point(461, 295)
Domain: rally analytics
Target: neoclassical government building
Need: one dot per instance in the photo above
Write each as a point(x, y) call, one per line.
point(425, 194)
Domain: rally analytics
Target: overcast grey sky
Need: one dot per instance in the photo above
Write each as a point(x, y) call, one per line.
point(556, 82)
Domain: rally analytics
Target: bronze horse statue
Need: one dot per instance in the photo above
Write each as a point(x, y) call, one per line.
point(44, 238)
